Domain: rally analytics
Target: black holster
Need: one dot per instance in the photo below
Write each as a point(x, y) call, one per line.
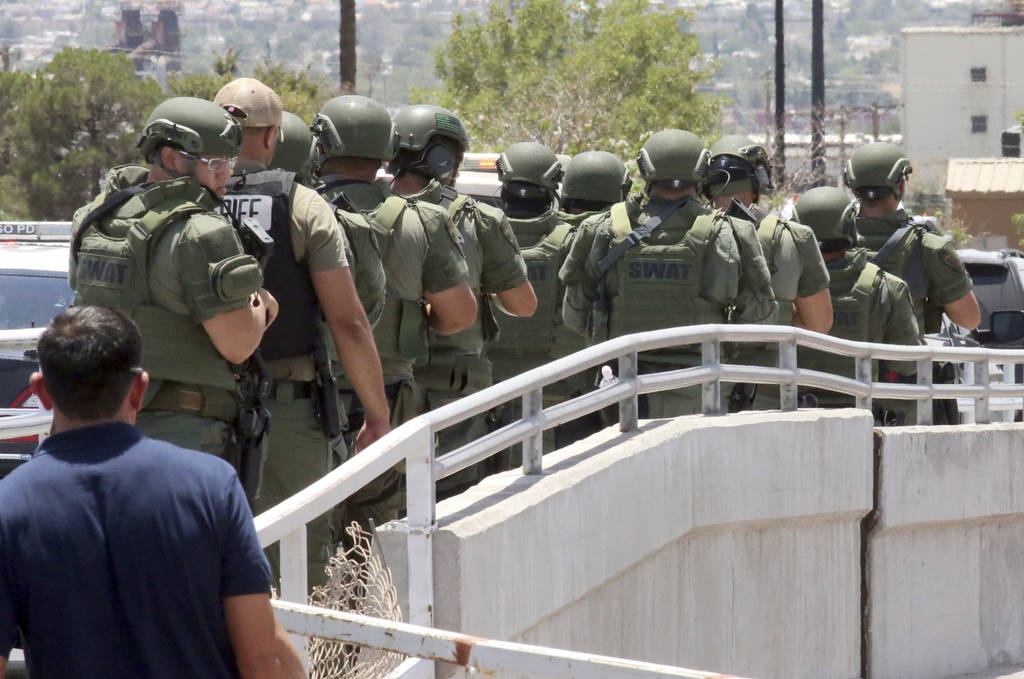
point(247, 451)
point(326, 403)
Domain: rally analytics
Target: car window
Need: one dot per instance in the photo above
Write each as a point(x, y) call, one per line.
point(29, 299)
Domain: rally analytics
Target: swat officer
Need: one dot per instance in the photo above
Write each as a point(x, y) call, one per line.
point(869, 304)
point(739, 171)
point(431, 144)
point(912, 249)
point(593, 182)
point(426, 271)
point(908, 247)
point(309, 273)
point(669, 262)
point(155, 247)
point(530, 174)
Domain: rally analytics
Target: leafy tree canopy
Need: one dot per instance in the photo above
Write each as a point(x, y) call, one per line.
point(574, 75)
point(67, 123)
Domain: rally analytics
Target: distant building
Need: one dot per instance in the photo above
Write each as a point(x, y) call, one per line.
point(986, 194)
point(961, 88)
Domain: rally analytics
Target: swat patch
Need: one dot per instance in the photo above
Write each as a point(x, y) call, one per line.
point(105, 271)
point(238, 206)
point(659, 270)
point(949, 257)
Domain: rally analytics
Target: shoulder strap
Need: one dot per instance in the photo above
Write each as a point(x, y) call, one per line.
point(867, 279)
point(448, 196)
point(891, 244)
point(109, 204)
point(633, 238)
point(390, 211)
point(620, 220)
point(453, 206)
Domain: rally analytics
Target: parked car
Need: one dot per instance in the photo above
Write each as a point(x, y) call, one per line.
point(33, 289)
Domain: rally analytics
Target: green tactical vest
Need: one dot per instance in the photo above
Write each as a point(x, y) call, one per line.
point(783, 263)
point(542, 333)
point(111, 268)
point(658, 286)
point(402, 329)
point(856, 316)
point(906, 261)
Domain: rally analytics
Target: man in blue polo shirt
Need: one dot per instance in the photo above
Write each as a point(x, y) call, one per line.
point(122, 556)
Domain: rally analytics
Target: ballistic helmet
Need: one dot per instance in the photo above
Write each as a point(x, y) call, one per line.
point(829, 211)
point(196, 126)
point(294, 152)
point(530, 163)
point(876, 169)
point(431, 141)
point(355, 127)
point(597, 177)
point(738, 164)
point(674, 156)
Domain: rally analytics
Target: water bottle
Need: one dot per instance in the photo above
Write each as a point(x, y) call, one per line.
point(608, 378)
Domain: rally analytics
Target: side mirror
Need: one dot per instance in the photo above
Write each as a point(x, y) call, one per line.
point(1007, 326)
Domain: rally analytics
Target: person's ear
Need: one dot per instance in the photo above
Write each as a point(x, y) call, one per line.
point(137, 391)
point(38, 387)
point(171, 160)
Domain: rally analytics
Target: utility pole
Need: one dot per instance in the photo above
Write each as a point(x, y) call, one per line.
point(347, 45)
point(817, 92)
point(875, 120)
point(779, 162)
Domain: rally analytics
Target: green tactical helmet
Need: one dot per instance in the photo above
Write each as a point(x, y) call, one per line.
point(530, 163)
point(738, 164)
point(829, 211)
point(875, 168)
point(673, 155)
point(196, 126)
point(596, 176)
point(354, 126)
point(294, 152)
point(417, 125)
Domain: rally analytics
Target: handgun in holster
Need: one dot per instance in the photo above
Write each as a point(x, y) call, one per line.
point(251, 428)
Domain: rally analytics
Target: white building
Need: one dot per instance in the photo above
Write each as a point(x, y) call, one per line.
point(961, 88)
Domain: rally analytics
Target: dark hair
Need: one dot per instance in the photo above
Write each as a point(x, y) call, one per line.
point(89, 356)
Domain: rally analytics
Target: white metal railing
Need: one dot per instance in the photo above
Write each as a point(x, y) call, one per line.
point(413, 441)
point(425, 644)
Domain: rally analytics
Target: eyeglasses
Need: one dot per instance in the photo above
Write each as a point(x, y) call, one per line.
point(213, 164)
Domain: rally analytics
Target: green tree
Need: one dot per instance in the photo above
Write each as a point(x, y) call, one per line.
point(72, 120)
point(574, 75)
point(301, 91)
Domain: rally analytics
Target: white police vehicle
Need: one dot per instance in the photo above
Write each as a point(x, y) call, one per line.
point(33, 289)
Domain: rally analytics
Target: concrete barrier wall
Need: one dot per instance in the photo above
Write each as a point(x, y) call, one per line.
point(946, 557)
point(729, 544)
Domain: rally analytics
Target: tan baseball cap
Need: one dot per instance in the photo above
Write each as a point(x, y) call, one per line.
point(251, 102)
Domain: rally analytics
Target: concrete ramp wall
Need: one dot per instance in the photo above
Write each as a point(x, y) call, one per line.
point(729, 543)
point(767, 545)
point(947, 554)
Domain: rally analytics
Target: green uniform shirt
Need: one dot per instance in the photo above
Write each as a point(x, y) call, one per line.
point(946, 279)
point(793, 257)
point(492, 257)
point(892, 318)
point(420, 255)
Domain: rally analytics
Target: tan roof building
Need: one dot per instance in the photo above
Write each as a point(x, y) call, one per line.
point(986, 193)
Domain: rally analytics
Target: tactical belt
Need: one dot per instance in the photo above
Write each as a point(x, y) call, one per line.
point(193, 399)
point(299, 389)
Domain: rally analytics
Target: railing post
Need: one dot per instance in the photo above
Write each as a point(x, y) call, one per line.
point(864, 375)
point(628, 408)
point(924, 404)
point(981, 377)
point(533, 447)
point(294, 579)
point(420, 512)
point(1009, 376)
point(787, 361)
point(711, 392)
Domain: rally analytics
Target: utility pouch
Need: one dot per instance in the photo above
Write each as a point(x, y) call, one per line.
point(488, 323)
